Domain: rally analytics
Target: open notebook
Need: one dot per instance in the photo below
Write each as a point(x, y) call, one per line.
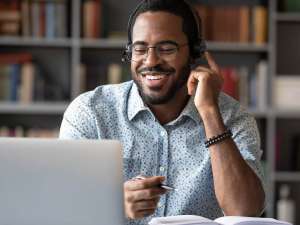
point(226, 220)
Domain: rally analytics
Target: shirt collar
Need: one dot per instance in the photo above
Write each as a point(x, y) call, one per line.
point(136, 105)
point(135, 102)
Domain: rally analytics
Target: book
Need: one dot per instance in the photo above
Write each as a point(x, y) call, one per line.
point(60, 19)
point(114, 73)
point(286, 91)
point(260, 24)
point(225, 220)
point(231, 80)
point(25, 20)
point(261, 84)
point(50, 17)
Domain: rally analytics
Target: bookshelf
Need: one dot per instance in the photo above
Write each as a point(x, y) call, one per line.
point(61, 57)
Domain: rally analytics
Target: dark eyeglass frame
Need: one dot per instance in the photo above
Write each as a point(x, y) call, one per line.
point(167, 56)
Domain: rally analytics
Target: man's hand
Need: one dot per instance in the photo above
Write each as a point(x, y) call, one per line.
point(206, 83)
point(141, 196)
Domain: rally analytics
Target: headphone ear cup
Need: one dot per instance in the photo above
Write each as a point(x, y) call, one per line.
point(199, 49)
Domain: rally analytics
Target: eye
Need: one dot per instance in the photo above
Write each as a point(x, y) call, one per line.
point(140, 49)
point(166, 49)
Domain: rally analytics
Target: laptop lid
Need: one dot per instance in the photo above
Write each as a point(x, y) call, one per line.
point(60, 182)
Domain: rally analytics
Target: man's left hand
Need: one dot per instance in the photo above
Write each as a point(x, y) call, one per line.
point(206, 83)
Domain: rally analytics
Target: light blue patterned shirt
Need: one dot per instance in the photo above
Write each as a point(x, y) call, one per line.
point(175, 150)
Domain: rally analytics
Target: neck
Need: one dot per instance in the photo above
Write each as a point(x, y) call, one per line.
point(169, 111)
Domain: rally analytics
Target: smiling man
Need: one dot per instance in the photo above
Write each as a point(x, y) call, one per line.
point(175, 125)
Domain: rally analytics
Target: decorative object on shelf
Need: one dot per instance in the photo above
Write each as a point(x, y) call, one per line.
point(285, 205)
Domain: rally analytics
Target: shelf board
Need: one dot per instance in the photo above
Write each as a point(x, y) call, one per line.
point(237, 47)
point(258, 113)
point(46, 108)
point(39, 42)
point(287, 176)
point(286, 113)
point(288, 17)
point(103, 43)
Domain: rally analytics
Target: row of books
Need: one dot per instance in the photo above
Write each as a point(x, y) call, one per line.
point(20, 131)
point(22, 80)
point(234, 23)
point(246, 85)
point(34, 18)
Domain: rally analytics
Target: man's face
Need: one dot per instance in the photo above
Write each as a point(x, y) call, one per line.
point(159, 80)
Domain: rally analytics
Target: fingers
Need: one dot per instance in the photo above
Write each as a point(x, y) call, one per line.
point(211, 62)
point(149, 182)
point(141, 214)
point(145, 194)
point(203, 72)
point(141, 196)
point(145, 205)
point(195, 76)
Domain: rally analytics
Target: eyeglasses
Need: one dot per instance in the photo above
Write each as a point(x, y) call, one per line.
point(166, 51)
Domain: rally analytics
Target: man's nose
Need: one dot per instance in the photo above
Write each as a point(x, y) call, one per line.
point(151, 59)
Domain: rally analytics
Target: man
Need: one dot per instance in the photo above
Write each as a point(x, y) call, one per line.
point(163, 119)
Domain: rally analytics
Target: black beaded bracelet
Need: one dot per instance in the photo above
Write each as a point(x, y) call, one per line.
point(218, 138)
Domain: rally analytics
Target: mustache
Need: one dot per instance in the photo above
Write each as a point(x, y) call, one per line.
point(155, 70)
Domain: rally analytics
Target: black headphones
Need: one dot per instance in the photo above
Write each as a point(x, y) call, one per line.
point(198, 47)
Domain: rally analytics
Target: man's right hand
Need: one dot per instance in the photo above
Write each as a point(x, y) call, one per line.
point(141, 196)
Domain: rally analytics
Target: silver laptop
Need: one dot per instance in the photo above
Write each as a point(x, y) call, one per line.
point(60, 182)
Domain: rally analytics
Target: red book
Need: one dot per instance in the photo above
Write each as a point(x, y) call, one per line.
point(230, 85)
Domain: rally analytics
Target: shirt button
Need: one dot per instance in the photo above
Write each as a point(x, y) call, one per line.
point(162, 133)
point(159, 205)
point(161, 169)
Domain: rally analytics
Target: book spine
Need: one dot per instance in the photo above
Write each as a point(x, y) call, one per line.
point(14, 82)
point(25, 12)
point(50, 17)
point(60, 19)
point(35, 12)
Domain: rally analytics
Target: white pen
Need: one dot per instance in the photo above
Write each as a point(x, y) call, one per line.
point(167, 187)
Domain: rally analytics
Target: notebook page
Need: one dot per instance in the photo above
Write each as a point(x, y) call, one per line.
point(240, 220)
point(181, 220)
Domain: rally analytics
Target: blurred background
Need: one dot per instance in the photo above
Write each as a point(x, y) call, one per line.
point(53, 50)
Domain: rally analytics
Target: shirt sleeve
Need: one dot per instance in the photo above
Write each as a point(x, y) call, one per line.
point(78, 121)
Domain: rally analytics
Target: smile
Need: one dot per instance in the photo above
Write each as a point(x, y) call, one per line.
point(157, 77)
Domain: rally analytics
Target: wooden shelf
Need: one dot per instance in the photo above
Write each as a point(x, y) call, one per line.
point(46, 108)
point(288, 17)
point(237, 47)
point(287, 176)
point(38, 42)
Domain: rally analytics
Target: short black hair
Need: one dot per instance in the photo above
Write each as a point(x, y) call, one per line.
point(191, 20)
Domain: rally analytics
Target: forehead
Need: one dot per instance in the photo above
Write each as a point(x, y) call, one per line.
point(153, 27)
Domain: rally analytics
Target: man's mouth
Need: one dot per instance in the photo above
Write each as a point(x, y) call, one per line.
point(155, 80)
point(154, 77)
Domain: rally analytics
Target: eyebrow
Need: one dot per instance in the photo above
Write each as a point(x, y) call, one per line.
point(160, 42)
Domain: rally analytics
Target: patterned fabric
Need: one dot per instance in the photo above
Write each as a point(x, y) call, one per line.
point(175, 150)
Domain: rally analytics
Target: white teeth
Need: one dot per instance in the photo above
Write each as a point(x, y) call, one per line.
point(157, 77)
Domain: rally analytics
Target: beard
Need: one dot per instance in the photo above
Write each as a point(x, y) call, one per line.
point(184, 73)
